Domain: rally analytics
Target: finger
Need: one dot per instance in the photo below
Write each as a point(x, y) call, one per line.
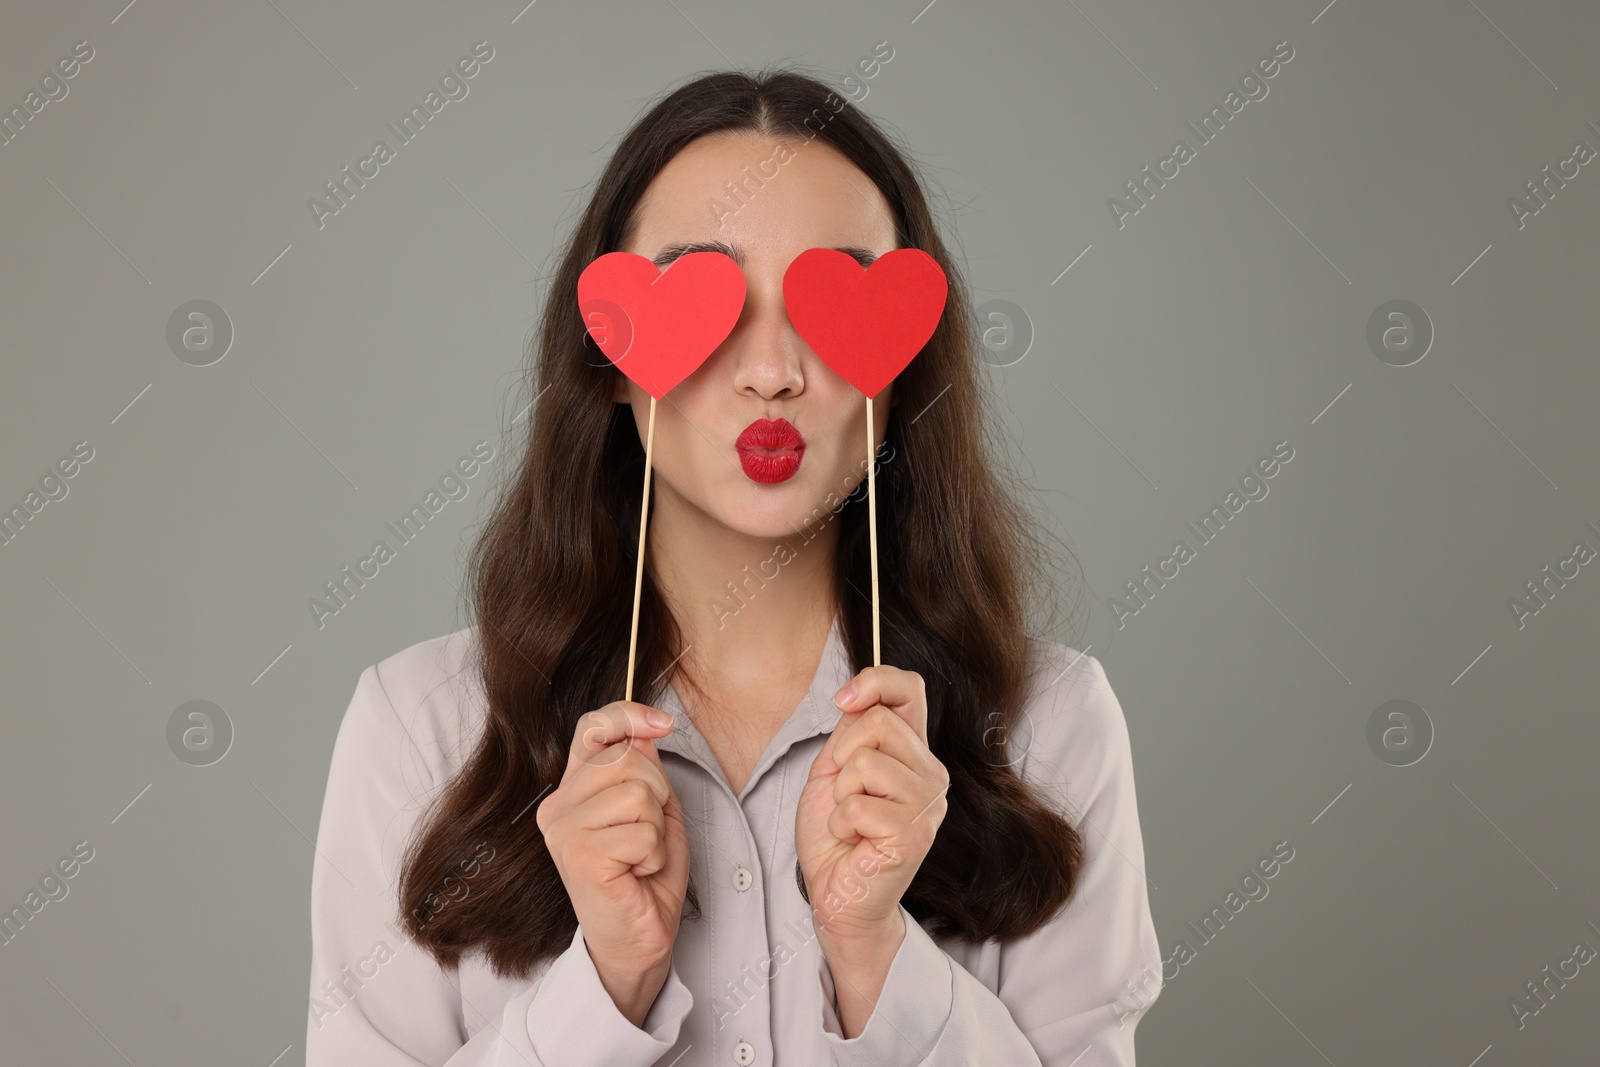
point(598, 730)
point(625, 802)
point(675, 848)
point(879, 727)
point(606, 771)
point(903, 692)
point(647, 748)
point(874, 818)
point(876, 773)
point(626, 847)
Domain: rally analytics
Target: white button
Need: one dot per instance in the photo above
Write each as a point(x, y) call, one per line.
point(744, 1051)
point(741, 881)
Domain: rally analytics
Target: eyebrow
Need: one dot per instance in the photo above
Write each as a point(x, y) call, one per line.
point(666, 256)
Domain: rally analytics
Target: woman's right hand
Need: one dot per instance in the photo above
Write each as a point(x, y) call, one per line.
point(616, 832)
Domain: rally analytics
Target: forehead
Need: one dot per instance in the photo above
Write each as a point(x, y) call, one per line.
point(765, 199)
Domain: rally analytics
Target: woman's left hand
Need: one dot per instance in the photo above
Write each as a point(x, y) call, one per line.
point(871, 806)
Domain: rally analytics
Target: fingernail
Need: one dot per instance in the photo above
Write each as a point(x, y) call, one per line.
point(657, 718)
point(845, 695)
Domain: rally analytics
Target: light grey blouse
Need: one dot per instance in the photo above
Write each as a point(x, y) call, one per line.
point(749, 983)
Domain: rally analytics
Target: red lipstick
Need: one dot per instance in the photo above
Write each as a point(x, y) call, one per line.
point(770, 450)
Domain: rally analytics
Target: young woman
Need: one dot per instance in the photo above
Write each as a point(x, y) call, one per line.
point(809, 860)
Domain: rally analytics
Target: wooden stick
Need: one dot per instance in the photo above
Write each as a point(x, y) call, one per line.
point(872, 528)
point(638, 572)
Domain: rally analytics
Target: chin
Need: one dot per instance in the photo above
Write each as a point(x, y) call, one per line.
point(775, 510)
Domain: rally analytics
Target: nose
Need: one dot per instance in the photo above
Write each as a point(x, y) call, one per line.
point(766, 350)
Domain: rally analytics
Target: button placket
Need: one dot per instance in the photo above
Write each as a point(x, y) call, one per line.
point(737, 942)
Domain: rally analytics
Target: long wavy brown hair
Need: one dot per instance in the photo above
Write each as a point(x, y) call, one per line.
point(551, 582)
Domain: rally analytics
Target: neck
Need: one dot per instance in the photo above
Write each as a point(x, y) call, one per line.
point(775, 616)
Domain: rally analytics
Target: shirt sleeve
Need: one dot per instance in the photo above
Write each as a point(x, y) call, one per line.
point(377, 998)
point(1072, 992)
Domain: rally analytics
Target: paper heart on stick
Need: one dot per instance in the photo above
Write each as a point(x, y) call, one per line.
point(868, 325)
point(658, 326)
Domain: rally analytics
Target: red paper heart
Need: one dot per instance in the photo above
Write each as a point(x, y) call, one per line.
point(658, 326)
point(869, 324)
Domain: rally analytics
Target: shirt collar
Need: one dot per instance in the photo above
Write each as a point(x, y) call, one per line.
point(815, 714)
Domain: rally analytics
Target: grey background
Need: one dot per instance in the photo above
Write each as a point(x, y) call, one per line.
point(1229, 314)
